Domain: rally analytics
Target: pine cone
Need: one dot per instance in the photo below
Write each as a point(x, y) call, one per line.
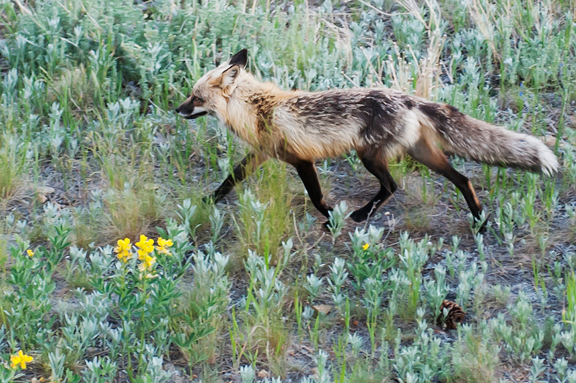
point(455, 314)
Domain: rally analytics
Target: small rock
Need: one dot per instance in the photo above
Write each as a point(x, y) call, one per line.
point(45, 190)
point(169, 367)
point(263, 374)
point(324, 309)
point(42, 192)
point(550, 140)
point(175, 374)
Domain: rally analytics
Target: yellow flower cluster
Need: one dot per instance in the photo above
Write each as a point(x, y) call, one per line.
point(123, 249)
point(20, 359)
point(163, 245)
point(145, 247)
point(366, 246)
point(30, 253)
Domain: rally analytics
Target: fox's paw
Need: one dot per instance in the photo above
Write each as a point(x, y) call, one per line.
point(359, 215)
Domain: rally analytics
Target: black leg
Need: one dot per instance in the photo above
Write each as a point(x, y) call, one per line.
point(431, 156)
point(307, 173)
point(376, 163)
point(246, 166)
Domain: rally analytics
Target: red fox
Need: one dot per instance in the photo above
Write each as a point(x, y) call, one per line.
point(299, 127)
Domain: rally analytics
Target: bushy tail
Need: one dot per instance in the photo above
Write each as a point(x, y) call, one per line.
point(490, 144)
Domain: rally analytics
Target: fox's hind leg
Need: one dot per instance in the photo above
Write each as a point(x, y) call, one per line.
point(431, 156)
point(375, 162)
point(244, 168)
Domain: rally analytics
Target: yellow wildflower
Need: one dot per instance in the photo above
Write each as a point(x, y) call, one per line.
point(147, 263)
point(20, 359)
point(30, 253)
point(123, 245)
point(163, 244)
point(124, 256)
point(145, 247)
point(123, 249)
point(366, 246)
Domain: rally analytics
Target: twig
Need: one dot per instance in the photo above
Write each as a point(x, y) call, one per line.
point(349, 79)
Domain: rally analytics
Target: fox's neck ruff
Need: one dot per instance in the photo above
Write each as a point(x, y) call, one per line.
point(249, 109)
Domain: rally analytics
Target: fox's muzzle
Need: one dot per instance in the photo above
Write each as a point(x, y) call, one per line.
point(189, 112)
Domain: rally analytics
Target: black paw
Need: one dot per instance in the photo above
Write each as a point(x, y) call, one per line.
point(359, 216)
point(482, 228)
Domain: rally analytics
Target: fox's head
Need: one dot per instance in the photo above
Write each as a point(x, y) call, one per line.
point(212, 91)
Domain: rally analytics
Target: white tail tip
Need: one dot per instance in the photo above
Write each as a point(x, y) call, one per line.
point(548, 160)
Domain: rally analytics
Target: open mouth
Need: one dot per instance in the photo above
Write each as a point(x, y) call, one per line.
point(195, 115)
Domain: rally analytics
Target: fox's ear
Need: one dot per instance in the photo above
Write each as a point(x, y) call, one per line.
point(229, 76)
point(240, 58)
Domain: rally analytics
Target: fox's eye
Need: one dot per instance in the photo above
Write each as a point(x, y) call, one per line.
point(197, 101)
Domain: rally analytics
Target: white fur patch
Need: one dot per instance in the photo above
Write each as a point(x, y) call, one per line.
point(412, 128)
point(548, 161)
point(196, 111)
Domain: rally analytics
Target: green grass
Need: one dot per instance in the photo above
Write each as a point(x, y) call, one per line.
point(254, 288)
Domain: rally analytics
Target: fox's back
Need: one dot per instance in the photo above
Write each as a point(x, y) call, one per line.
point(329, 123)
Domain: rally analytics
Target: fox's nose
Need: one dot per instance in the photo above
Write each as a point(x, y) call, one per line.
point(178, 109)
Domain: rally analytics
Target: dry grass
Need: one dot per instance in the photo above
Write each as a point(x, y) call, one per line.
point(476, 360)
point(427, 70)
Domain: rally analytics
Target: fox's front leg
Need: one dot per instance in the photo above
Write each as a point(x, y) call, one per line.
point(307, 173)
point(250, 163)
